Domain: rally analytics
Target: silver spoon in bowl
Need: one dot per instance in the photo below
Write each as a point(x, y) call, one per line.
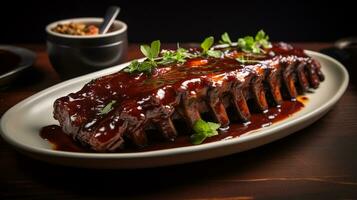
point(110, 15)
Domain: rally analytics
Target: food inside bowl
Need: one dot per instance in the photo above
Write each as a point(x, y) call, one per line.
point(76, 29)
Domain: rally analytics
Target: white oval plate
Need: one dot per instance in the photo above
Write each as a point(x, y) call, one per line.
point(20, 126)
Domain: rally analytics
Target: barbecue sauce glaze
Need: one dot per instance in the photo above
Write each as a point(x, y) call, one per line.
point(161, 88)
point(63, 142)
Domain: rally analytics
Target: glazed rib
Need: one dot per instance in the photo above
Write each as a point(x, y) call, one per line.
point(183, 91)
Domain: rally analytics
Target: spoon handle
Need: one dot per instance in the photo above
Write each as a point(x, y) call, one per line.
point(110, 15)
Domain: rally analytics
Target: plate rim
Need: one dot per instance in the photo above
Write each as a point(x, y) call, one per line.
point(27, 56)
point(164, 152)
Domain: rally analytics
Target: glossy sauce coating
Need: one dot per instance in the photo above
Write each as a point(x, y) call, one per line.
point(63, 142)
point(141, 98)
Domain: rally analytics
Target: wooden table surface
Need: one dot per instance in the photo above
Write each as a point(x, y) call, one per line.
point(318, 162)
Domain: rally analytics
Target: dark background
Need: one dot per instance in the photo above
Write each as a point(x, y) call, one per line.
point(188, 21)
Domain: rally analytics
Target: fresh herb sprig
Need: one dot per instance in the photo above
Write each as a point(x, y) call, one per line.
point(170, 56)
point(152, 60)
point(206, 48)
point(151, 52)
point(203, 130)
point(248, 44)
point(225, 39)
point(254, 44)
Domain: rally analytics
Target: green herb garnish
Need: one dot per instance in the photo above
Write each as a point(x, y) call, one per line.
point(152, 51)
point(215, 53)
point(203, 130)
point(248, 44)
point(180, 55)
point(254, 45)
point(146, 66)
point(263, 39)
point(207, 44)
point(107, 108)
point(225, 39)
point(137, 67)
point(206, 48)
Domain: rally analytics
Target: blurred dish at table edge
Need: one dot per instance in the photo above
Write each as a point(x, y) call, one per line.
point(348, 48)
point(13, 62)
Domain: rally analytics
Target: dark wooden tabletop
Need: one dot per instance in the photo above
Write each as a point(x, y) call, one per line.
point(318, 162)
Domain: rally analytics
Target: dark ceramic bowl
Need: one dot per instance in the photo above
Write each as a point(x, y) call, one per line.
point(73, 55)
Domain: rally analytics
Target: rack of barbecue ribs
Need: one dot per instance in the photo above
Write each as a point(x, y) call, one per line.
point(115, 109)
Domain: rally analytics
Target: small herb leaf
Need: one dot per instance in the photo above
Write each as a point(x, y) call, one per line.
point(207, 44)
point(263, 39)
point(107, 108)
point(170, 56)
point(132, 67)
point(197, 138)
point(215, 53)
point(146, 50)
point(214, 127)
point(203, 130)
point(138, 67)
point(225, 39)
point(155, 48)
point(254, 44)
point(146, 66)
point(152, 51)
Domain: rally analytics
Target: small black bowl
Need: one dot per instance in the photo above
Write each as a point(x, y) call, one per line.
point(73, 55)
